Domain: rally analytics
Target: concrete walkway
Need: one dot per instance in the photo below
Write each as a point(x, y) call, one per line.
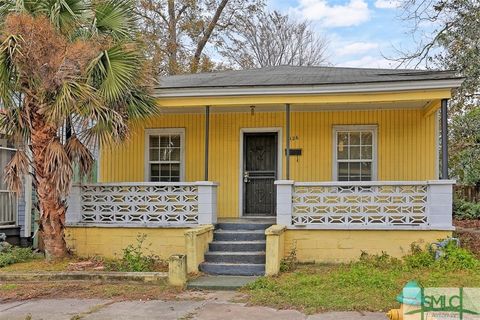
point(202, 306)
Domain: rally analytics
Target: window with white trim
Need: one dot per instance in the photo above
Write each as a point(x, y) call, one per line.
point(355, 153)
point(165, 155)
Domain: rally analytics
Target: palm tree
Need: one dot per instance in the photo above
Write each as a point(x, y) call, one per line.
point(73, 64)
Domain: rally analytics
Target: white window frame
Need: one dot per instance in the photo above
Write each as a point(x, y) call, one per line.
point(355, 128)
point(159, 132)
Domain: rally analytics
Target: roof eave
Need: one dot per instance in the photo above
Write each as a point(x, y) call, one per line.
point(310, 89)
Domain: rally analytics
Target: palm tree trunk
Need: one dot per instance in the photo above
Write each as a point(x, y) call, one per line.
point(52, 207)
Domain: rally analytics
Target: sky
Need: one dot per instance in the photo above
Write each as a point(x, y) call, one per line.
point(360, 32)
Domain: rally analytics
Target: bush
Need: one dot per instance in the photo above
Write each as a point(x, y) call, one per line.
point(466, 210)
point(457, 258)
point(11, 255)
point(419, 258)
point(290, 262)
point(134, 259)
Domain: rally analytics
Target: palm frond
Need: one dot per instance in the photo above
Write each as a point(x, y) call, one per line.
point(8, 78)
point(109, 128)
point(14, 124)
point(73, 97)
point(79, 154)
point(65, 15)
point(16, 168)
point(58, 166)
point(114, 71)
point(140, 106)
point(115, 18)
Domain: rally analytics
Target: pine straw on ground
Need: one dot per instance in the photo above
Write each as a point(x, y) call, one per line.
point(16, 291)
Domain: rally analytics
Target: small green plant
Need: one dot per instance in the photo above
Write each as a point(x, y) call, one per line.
point(380, 261)
point(466, 210)
point(134, 258)
point(290, 262)
point(457, 258)
point(12, 254)
point(419, 257)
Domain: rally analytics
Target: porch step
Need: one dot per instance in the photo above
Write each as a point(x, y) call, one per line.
point(239, 235)
point(236, 246)
point(243, 226)
point(255, 257)
point(233, 269)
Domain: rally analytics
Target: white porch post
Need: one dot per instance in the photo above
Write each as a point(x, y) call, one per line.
point(284, 201)
point(74, 205)
point(440, 200)
point(207, 202)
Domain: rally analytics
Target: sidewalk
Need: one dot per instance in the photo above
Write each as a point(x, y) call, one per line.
point(201, 306)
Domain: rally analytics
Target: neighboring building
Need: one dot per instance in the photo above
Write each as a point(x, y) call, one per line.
point(362, 171)
point(14, 222)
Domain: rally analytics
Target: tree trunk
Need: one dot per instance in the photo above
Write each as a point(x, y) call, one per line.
point(52, 207)
point(206, 36)
point(172, 45)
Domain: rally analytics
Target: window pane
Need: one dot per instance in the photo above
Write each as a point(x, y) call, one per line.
point(366, 178)
point(342, 178)
point(165, 154)
point(165, 170)
point(175, 155)
point(164, 141)
point(366, 168)
point(366, 153)
point(354, 169)
point(342, 138)
point(343, 169)
point(175, 141)
point(355, 138)
point(154, 154)
point(155, 179)
point(154, 170)
point(342, 153)
point(175, 170)
point(154, 142)
point(366, 138)
point(354, 153)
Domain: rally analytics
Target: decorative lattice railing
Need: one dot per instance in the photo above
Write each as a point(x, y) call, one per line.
point(360, 205)
point(142, 203)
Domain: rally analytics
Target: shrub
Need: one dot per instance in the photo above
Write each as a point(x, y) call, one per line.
point(12, 254)
point(134, 259)
point(466, 210)
point(290, 262)
point(418, 257)
point(380, 261)
point(457, 258)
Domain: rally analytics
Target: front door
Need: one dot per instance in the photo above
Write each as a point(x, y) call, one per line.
point(259, 173)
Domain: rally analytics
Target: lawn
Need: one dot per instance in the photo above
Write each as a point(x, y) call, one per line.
point(369, 285)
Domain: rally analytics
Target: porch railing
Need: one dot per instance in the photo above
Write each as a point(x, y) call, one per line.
point(8, 208)
point(365, 205)
point(143, 204)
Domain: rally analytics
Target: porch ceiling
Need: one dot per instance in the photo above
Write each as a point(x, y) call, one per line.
point(304, 107)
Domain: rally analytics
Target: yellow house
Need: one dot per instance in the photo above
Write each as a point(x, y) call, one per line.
point(333, 161)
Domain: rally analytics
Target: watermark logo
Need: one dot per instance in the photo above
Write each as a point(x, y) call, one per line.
point(441, 303)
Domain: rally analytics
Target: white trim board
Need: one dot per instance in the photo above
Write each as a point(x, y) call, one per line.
point(277, 130)
point(160, 131)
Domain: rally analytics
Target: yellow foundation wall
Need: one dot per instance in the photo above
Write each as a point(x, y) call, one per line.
point(406, 147)
point(108, 242)
point(333, 246)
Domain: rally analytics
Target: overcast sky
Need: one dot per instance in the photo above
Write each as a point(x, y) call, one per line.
point(359, 31)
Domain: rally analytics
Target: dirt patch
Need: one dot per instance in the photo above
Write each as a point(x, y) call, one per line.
point(474, 224)
point(15, 291)
point(468, 231)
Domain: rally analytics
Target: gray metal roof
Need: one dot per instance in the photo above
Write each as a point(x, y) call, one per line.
point(299, 76)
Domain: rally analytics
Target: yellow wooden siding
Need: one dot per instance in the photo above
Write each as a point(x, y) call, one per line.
point(406, 147)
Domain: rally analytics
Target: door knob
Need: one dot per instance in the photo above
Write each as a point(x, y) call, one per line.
point(246, 177)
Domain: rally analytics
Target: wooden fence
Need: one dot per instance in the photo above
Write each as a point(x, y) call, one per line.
point(469, 193)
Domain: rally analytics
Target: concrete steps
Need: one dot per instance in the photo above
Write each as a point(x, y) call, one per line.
point(238, 249)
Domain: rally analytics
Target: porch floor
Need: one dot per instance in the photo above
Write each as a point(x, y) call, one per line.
point(265, 220)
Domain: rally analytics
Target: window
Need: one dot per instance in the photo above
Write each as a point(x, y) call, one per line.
point(164, 155)
point(355, 153)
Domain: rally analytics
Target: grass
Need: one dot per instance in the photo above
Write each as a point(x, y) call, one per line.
point(370, 284)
